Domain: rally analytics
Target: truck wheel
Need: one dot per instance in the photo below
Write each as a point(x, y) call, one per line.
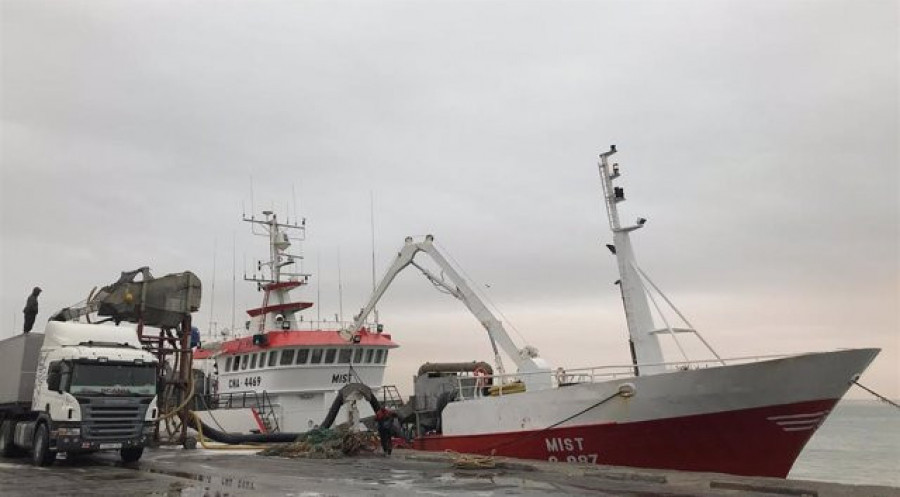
point(131, 454)
point(42, 455)
point(7, 447)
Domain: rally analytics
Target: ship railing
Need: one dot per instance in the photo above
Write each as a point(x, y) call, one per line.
point(389, 396)
point(471, 387)
point(248, 399)
point(323, 324)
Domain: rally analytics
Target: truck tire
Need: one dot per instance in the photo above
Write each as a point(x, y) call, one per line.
point(131, 454)
point(7, 447)
point(41, 454)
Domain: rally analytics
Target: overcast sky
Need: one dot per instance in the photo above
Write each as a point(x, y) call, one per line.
point(760, 139)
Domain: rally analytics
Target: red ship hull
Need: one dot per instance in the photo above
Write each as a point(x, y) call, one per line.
point(753, 442)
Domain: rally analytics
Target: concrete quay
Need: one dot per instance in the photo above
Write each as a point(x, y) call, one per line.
point(219, 473)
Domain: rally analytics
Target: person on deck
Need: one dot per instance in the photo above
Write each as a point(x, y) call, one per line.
point(384, 418)
point(31, 309)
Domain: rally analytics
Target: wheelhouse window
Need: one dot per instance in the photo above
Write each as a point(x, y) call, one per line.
point(273, 357)
point(357, 355)
point(344, 356)
point(227, 364)
point(384, 357)
point(252, 361)
point(244, 362)
point(302, 356)
point(316, 356)
point(287, 357)
point(237, 363)
point(369, 354)
point(262, 359)
point(329, 356)
point(379, 353)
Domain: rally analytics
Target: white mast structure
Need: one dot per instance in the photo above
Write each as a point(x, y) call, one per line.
point(633, 283)
point(279, 242)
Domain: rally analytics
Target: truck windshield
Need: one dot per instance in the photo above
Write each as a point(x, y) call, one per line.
point(113, 379)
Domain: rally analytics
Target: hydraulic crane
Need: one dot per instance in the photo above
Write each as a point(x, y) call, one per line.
point(534, 370)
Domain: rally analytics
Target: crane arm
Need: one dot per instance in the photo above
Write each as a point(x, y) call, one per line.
point(404, 258)
point(526, 359)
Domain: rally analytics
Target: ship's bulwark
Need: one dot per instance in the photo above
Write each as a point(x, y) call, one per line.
point(749, 419)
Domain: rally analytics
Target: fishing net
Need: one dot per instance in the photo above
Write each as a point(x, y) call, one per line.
point(325, 443)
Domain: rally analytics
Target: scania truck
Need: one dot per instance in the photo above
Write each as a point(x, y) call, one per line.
point(76, 388)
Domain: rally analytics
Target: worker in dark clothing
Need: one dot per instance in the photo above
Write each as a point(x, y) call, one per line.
point(384, 418)
point(31, 309)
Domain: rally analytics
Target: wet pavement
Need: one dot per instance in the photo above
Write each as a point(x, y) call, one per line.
point(176, 472)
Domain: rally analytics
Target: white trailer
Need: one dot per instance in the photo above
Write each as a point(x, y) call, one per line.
point(76, 388)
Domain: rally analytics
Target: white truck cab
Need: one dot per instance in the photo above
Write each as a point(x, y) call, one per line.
point(94, 388)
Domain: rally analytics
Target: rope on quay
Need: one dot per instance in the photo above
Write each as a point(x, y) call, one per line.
point(471, 461)
point(876, 394)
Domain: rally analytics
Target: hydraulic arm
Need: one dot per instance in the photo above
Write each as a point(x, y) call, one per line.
point(534, 370)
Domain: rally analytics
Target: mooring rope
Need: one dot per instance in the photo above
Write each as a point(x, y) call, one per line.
point(876, 394)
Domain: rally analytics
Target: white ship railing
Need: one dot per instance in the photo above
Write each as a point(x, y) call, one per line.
point(473, 387)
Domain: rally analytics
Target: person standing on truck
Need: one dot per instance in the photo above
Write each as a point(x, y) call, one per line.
point(384, 418)
point(31, 309)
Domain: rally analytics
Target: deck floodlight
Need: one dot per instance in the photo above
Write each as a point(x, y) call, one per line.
point(641, 221)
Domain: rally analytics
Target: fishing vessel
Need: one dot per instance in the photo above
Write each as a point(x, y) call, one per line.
point(744, 416)
point(283, 372)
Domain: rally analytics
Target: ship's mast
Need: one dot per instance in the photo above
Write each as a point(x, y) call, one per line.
point(280, 236)
point(271, 272)
point(646, 349)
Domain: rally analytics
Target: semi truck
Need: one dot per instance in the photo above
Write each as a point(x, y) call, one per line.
point(76, 388)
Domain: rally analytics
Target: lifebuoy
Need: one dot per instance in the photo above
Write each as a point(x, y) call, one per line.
point(482, 377)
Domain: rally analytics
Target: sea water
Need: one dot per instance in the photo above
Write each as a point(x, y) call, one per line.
point(859, 443)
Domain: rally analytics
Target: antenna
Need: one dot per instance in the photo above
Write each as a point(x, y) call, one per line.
point(212, 296)
point(318, 290)
point(294, 195)
point(252, 205)
point(372, 218)
point(233, 276)
point(340, 288)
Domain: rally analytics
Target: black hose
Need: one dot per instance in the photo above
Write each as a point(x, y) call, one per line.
point(242, 438)
point(349, 388)
point(442, 401)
